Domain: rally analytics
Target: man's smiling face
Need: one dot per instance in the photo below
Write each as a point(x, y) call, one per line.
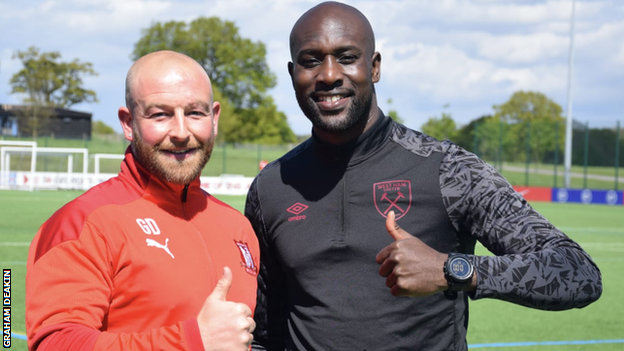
point(333, 70)
point(174, 121)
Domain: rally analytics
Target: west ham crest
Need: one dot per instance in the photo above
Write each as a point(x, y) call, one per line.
point(393, 195)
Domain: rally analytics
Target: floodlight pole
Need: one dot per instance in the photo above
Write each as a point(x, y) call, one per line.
point(567, 162)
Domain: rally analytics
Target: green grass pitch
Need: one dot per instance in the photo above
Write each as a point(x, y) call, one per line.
point(493, 324)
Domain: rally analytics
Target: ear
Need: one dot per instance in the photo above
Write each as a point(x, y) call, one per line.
point(376, 69)
point(216, 112)
point(290, 71)
point(125, 118)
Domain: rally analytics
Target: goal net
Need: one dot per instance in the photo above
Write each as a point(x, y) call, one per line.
point(31, 167)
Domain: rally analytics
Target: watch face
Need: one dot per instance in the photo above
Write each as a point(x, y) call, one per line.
point(460, 268)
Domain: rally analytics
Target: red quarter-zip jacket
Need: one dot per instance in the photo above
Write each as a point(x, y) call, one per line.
point(129, 264)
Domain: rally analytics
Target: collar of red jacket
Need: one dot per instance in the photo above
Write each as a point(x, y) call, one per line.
point(157, 190)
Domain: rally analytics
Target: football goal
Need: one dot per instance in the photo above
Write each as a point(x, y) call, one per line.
point(6, 178)
point(50, 168)
point(97, 158)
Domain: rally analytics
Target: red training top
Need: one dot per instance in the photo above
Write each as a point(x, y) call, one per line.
point(129, 264)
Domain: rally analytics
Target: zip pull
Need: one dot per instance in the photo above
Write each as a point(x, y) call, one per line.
point(184, 192)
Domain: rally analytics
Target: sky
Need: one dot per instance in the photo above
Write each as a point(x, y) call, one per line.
point(459, 57)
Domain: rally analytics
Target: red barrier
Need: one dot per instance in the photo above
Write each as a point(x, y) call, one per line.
point(535, 193)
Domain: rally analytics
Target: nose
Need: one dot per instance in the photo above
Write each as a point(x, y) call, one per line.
point(179, 129)
point(330, 72)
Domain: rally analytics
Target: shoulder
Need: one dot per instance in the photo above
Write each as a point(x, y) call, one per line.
point(273, 169)
point(292, 155)
point(68, 222)
point(419, 143)
point(223, 213)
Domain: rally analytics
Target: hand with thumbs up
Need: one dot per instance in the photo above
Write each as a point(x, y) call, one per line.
point(410, 266)
point(225, 325)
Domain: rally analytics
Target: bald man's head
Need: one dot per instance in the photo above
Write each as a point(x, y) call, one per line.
point(315, 17)
point(170, 117)
point(333, 70)
point(155, 62)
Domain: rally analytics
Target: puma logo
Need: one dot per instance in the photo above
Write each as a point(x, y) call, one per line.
point(152, 242)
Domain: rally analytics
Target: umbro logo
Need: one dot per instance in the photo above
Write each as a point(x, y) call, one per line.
point(297, 209)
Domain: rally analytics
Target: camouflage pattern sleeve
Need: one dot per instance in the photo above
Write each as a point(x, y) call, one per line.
point(536, 265)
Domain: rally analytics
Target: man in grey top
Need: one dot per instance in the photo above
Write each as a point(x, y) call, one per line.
point(367, 229)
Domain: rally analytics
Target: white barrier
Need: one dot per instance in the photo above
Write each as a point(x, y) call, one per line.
point(226, 185)
point(223, 185)
point(54, 180)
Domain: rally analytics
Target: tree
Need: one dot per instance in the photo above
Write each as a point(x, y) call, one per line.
point(48, 83)
point(473, 132)
point(237, 68)
point(530, 118)
point(100, 127)
point(482, 136)
point(394, 114)
point(441, 128)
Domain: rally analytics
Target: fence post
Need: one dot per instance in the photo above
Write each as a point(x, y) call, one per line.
point(586, 155)
point(500, 146)
point(259, 156)
point(476, 138)
point(556, 152)
point(45, 159)
point(224, 161)
point(528, 154)
point(617, 154)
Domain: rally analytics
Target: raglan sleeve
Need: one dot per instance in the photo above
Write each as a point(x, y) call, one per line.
point(68, 292)
point(271, 310)
point(534, 264)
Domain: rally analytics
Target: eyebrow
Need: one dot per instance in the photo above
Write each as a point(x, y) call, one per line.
point(339, 50)
point(192, 105)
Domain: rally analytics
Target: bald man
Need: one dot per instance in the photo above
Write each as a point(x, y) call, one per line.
point(148, 260)
point(367, 229)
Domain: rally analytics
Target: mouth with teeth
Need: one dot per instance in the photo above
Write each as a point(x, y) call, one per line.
point(330, 98)
point(331, 103)
point(180, 155)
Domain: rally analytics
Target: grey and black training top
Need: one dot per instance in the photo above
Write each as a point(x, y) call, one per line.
point(319, 213)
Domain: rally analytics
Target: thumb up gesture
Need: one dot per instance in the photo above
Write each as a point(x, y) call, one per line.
point(225, 325)
point(410, 266)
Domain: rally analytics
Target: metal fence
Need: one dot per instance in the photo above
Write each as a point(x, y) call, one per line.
point(532, 153)
point(527, 154)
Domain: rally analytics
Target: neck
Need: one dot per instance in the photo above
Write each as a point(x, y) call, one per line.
point(347, 136)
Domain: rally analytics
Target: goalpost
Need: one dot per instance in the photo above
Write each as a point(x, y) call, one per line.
point(45, 180)
point(5, 175)
point(98, 157)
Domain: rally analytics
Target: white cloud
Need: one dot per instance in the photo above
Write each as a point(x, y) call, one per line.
point(469, 53)
point(521, 48)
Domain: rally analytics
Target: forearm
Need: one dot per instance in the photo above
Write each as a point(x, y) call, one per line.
point(536, 264)
point(72, 336)
point(558, 278)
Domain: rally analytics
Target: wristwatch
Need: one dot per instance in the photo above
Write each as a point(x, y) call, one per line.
point(458, 271)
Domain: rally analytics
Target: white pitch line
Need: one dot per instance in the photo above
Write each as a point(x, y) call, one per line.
point(14, 243)
point(18, 263)
point(603, 246)
point(593, 230)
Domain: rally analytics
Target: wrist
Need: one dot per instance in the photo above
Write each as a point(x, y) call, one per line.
point(459, 272)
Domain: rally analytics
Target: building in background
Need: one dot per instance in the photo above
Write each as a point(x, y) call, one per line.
point(28, 121)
